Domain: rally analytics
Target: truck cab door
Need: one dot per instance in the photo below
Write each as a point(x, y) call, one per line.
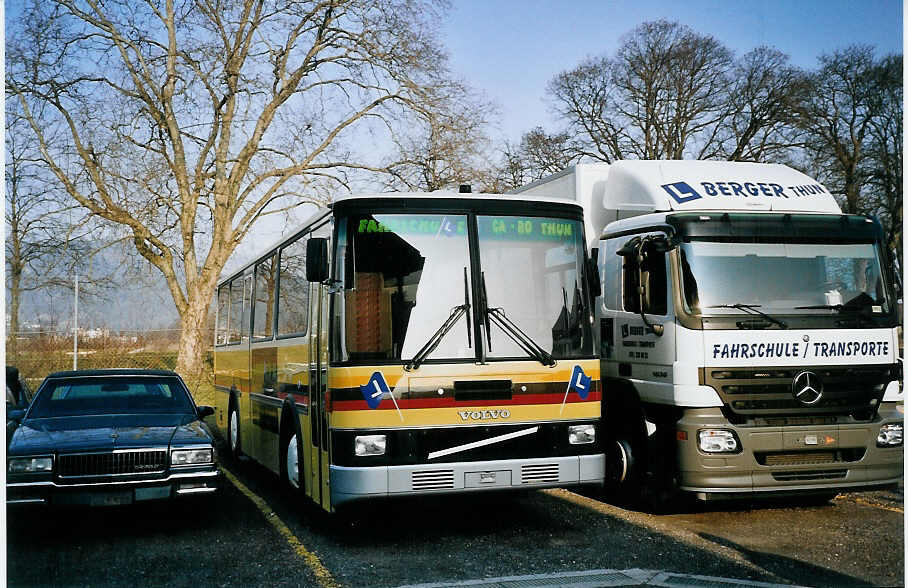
point(644, 325)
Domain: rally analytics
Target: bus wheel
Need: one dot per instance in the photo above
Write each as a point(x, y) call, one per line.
point(292, 463)
point(233, 434)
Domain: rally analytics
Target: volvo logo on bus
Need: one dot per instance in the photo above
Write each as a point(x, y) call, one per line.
point(484, 415)
point(807, 388)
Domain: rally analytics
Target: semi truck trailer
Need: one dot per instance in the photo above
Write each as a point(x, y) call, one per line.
point(747, 331)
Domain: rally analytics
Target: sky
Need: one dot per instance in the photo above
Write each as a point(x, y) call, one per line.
point(510, 49)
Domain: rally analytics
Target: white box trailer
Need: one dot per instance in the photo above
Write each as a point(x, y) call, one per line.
point(748, 330)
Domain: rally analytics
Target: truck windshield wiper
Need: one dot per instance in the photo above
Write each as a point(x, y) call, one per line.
point(752, 309)
point(524, 341)
point(437, 336)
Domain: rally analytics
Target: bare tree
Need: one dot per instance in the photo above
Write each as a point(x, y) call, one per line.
point(763, 102)
point(184, 122)
point(449, 149)
point(672, 93)
point(886, 151)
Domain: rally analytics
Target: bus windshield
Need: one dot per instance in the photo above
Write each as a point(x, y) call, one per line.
point(403, 274)
point(782, 278)
point(409, 287)
point(531, 269)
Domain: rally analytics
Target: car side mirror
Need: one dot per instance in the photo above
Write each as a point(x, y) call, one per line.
point(317, 259)
point(204, 411)
point(15, 414)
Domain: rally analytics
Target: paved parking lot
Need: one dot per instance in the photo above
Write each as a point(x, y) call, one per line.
point(252, 533)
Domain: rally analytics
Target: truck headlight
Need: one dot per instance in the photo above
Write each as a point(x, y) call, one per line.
point(28, 465)
point(718, 441)
point(581, 434)
point(890, 435)
point(364, 445)
point(181, 457)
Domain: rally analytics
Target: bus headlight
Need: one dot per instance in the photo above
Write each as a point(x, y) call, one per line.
point(890, 435)
point(718, 441)
point(364, 445)
point(581, 434)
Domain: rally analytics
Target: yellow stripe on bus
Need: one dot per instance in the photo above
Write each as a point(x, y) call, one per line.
point(422, 417)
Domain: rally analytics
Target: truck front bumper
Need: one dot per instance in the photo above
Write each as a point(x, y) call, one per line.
point(789, 459)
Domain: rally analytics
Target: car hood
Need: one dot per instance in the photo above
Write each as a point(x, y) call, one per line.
point(106, 433)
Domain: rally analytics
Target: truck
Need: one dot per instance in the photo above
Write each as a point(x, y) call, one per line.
point(748, 331)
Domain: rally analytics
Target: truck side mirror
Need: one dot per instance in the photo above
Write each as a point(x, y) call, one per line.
point(592, 272)
point(317, 259)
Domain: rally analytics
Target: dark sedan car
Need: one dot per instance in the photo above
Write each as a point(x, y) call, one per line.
point(106, 437)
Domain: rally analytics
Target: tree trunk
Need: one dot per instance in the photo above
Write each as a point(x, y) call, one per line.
point(15, 292)
point(194, 341)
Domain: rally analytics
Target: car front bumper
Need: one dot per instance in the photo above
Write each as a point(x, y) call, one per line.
point(109, 493)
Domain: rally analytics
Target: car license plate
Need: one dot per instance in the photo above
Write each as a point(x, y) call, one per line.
point(111, 498)
point(154, 493)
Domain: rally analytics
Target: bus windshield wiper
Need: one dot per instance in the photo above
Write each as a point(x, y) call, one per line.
point(524, 341)
point(752, 309)
point(437, 336)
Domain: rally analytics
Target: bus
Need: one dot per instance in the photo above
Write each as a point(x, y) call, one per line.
point(408, 344)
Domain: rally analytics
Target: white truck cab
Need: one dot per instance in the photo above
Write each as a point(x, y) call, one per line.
point(748, 330)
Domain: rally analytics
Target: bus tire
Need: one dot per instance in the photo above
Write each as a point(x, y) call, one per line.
point(234, 438)
point(291, 472)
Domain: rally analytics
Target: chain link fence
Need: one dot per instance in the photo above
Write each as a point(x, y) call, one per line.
point(39, 353)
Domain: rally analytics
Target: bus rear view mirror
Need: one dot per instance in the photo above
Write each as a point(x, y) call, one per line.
point(317, 259)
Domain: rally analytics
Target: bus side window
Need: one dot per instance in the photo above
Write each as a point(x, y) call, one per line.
point(223, 311)
point(655, 283)
point(236, 311)
point(263, 307)
point(293, 290)
point(247, 308)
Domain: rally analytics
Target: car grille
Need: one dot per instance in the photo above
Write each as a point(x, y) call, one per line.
point(767, 391)
point(112, 464)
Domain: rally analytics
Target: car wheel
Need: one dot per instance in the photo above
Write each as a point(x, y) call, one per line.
point(292, 463)
point(233, 433)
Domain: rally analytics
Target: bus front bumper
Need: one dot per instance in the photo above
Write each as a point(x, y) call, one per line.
point(356, 483)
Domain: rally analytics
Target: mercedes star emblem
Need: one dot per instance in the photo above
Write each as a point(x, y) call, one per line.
point(807, 388)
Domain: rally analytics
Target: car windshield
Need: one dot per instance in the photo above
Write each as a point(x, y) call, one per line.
point(782, 278)
point(110, 395)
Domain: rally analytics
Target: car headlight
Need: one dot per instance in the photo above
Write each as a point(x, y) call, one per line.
point(27, 465)
point(370, 445)
point(718, 441)
point(890, 435)
point(581, 434)
point(180, 457)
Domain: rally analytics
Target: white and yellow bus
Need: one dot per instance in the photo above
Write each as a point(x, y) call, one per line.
point(410, 344)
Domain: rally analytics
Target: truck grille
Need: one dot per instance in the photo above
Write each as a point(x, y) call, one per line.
point(112, 464)
point(784, 458)
point(803, 476)
point(767, 391)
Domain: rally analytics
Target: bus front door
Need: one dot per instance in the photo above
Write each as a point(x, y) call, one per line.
point(318, 386)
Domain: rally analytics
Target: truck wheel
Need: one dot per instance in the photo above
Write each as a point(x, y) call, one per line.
point(233, 434)
point(622, 478)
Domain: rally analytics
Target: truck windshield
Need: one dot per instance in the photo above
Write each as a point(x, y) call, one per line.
point(781, 278)
point(532, 273)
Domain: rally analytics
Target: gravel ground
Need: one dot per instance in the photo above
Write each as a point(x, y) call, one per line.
point(224, 540)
